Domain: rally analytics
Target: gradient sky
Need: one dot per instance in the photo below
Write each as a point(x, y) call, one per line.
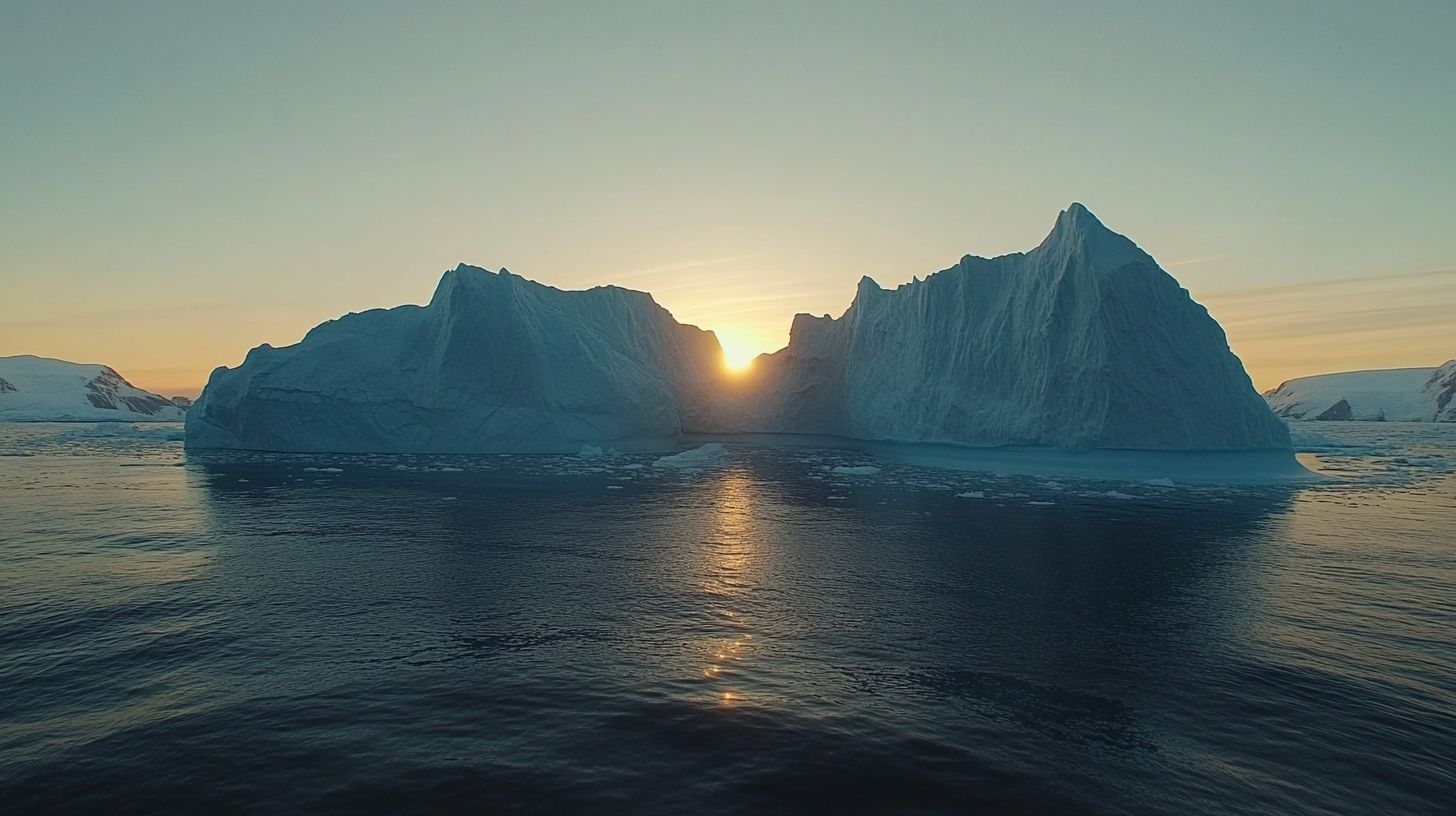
point(182, 181)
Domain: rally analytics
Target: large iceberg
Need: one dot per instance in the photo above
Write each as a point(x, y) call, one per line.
point(1391, 394)
point(1081, 343)
point(48, 390)
point(494, 363)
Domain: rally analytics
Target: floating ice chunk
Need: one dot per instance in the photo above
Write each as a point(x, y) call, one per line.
point(971, 494)
point(710, 455)
point(1163, 482)
point(1040, 503)
point(323, 470)
point(590, 451)
point(1110, 494)
point(614, 487)
point(859, 470)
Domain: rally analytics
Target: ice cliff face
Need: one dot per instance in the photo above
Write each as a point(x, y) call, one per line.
point(40, 389)
point(1392, 395)
point(1080, 343)
point(494, 363)
point(1441, 390)
point(1083, 342)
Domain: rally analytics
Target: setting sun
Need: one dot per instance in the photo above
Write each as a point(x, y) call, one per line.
point(738, 354)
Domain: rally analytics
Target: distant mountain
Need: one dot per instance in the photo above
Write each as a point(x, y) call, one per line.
point(40, 389)
point(1392, 395)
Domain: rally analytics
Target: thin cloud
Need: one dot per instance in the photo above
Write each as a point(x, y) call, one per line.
point(1204, 259)
point(1341, 326)
point(684, 266)
point(145, 313)
point(1314, 287)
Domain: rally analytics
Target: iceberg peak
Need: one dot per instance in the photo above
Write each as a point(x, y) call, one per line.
point(1082, 343)
point(1077, 222)
point(1079, 233)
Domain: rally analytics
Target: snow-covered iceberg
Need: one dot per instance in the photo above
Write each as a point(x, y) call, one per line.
point(494, 363)
point(1392, 394)
point(41, 389)
point(1081, 343)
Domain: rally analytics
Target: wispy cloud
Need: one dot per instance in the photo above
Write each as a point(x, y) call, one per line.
point(1386, 320)
point(1203, 259)
point(1440, 278)
point(682, 266)
point(145, 314)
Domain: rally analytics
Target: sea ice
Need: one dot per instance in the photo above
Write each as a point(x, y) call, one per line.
point(859, 470)
point(710, 455)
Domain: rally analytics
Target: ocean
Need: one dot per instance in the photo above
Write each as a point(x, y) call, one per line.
point(799, 630)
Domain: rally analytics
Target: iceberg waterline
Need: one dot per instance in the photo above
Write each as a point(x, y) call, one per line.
point(1080, 344)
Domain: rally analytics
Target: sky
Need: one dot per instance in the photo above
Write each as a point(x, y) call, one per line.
point(180, 182)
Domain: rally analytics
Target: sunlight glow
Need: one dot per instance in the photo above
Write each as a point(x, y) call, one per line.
point(737, 353)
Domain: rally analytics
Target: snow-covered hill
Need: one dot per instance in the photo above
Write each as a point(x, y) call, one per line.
point(40, 389)
point(494, 363)
point(1393, 394)
point(1441, 391)
point(1083, 342)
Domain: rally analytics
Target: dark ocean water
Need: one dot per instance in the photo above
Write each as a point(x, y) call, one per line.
point(389, 634)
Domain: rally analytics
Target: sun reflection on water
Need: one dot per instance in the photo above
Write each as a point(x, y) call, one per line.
point(728, 578)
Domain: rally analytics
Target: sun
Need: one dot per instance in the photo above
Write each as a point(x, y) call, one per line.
point(737, 354)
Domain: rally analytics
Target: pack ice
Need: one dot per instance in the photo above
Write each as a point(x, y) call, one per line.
point(41, 389)
point(1081, 343)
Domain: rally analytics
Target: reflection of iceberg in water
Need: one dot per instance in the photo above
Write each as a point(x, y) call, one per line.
point(929, 641)
point(747, 583)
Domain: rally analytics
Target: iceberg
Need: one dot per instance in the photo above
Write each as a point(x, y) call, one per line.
point(42, 389)
point(1081, 343)
point(494, 363)
point(1392, 395)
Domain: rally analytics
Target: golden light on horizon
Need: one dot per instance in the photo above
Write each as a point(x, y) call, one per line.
point(738, 353)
